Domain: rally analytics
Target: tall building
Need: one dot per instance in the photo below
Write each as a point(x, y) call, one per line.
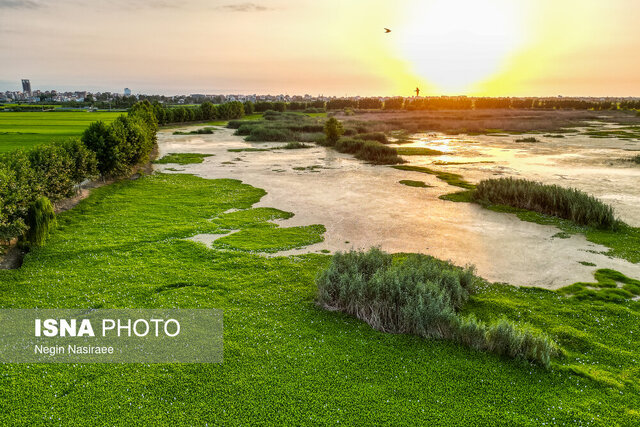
point(26, 86)
point(127, 91)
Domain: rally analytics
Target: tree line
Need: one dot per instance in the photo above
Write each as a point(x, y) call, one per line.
point(30, 180)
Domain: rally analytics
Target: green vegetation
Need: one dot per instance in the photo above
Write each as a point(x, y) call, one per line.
point(448, 177)
point(422, 296)
point(333, 130)
point(50, 171)
point(410, 183)
point(40, 219)
point(126, 142)
point(294, 146)
point(54, 170)
point(370, 151)
point(587, 263)
point(279, 127)
point(636, 159)
point(567, 203)
point(628, 132)
point(529, 139)
point(240, 150)
point(125, 246)
point(606, 287)
point(182, 158)
point(418, 151)
point(203, 112)
point(202, 131)
point(29, 129)
point(373, 136)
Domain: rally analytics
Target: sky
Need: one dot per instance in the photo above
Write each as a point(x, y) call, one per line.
point(328, 47)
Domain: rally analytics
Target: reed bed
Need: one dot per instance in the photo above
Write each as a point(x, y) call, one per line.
point(567, 203)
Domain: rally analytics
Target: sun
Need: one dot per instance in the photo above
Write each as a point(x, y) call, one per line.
point(453, 45)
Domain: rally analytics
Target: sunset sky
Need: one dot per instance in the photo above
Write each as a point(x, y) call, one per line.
point(330, 47)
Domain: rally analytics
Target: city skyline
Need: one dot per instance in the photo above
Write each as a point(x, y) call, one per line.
point(489, 48)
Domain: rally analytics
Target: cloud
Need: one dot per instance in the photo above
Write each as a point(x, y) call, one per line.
point(19, 4)
point(245, 7)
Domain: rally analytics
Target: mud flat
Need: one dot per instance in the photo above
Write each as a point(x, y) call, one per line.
point(363, 205)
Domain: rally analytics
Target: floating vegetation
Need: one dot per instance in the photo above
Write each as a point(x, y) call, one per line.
point(203, 131)
point(419, 184)
point(182, 158)
point(418, 151)
point(448, 177)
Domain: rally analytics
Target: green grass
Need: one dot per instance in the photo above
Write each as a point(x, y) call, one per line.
point(610, 285)
point(448, 177)
point(418, 151)
point(27, 129)
point(410, 183)
point(287, 361)
point(182, 158)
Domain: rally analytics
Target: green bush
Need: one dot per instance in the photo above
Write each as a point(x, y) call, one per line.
point(421, 295)
point(246, 128)
point(373, 136)
point(333, 130)
point(40, 220)
point(51, 171)
point(270, 134)
point(567, 203)
point(371, 151)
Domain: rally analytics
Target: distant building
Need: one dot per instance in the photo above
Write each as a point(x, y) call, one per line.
point(127, 91)
point(26, 86)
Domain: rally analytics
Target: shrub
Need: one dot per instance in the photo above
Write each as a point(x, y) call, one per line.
point(40, 220)
point(421, 295)
point(371, 151)
point(295, 145)
point(333, 130)
point(567, 203)
point(373, 136)
point(636, 159)
point(530, 139)
point(270, 134)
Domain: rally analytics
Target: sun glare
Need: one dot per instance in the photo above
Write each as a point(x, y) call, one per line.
point(453, 45)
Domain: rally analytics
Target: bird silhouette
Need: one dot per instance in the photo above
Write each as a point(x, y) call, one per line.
point(386, 30)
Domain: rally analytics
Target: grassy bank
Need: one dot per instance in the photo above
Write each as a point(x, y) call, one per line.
point(286, 360)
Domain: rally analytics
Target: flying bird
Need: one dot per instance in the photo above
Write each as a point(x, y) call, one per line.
point(386, 30)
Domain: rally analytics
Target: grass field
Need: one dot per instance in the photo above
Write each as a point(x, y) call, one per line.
point(26, 129)
point(287, 361)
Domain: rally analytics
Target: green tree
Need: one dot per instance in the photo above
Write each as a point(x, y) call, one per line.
point(333, 130)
